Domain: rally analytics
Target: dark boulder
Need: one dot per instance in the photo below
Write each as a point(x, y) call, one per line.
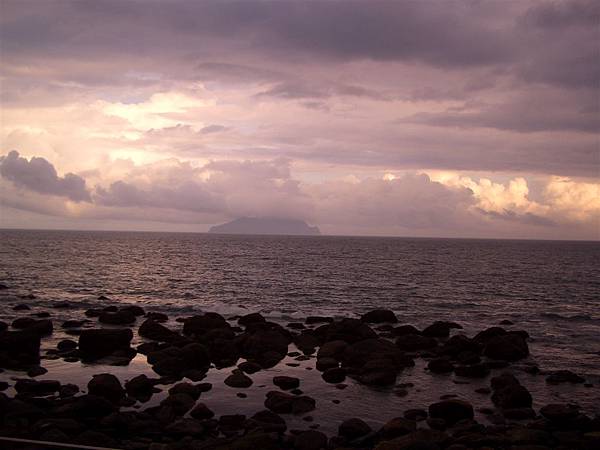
point(353, 428)
point(199, 325)
point(40, 327)
point(334, 375)
point(19, 349)
point(564, 376)
point(36, 388)
point(121, 317)
point(97, 343)
point(440, 329)
point(415, 342)
point(186, 388)
point(249, 367)
point(283, 403)
point(202, 412)
point(310, 440)
point(107, 386)
point(178, 403)
point(440, 365)
point(489, 333)
point(472, 371)
point(396, 427)
point(348, 330)
point(151, 329)
point(326, 363)
point(251, 319)
point(333, 349)
point(311, 320)
point(379, 316)
point(133, 309)
point(157, 317)
point(141, 387)
point(404, 330)
point(267, 421)
point(66, 345)
point(508, 393)
point(3, 326)
point(238, 379)
point(558, 413)
point(286, 383)
point(451, 411)
point(507, 347)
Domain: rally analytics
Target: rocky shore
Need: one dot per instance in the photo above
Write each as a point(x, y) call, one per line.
point(372, 351)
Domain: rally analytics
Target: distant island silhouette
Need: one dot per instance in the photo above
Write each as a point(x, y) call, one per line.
point(256, 225)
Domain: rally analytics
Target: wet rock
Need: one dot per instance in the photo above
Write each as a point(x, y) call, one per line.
point(251, 319)
point(202, 412)
point(311, 320)
point(37, 388)
point(333, 349)
point(249, 367)
point(151, 329)
point(509, 393)
point(564, 376)
point(157, 317)
point(107, 386)
point(519, 413)
point(415, 414)
point(66, 345)
point(121, 317)
point(440, 329)
point(403, 330)
point(97, 343)
point(460, 344)
point(238, 379)
point(296, 326)
point(73, 323)
point(21, 307)
point(179, 403)
point(347, 330)
point(558, 413)
point(283, 403)
point(4, 385)
point(133, 309)
point(68, 390)
point(415, 342)
point(286, 383)
point(310, 440)
point(267, 346)
point(141, 387)
point(451, 411)
point(3, 326)
point(85, 406)
point(36, 371)
point(198, 325)
point(440, 365)
point(508, 347)
point(472, 371)
point(186, 388)
point(334, 375)
point(267, 421)
point(307, 341)
point(40, 327)
point(353, 428)
point(379, 316)
point(231, 423)
point(396, 427)
point(326, 363)
point(95, 438)
point(176, 361)
point(186, 427)
point(19, 349)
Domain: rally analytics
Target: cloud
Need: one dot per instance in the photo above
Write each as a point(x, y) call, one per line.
point(40, 176)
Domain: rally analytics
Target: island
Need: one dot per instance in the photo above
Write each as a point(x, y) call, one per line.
point(256, 225)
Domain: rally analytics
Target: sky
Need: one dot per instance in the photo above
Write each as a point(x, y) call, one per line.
point(405, 118)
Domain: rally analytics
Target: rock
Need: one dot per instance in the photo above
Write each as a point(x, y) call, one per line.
point(107, 386)
point(95, 438)
point(415, 342)
point(121, 317)
point(398, 426)
point(186, 388)
point(133, 309)
point(326, 363)
point(85, 406)
point(3, 326)
point(19, 349)
point(185, 427)
point(40, 327)
point(348, 330)
point(267, 421)
point(310, 440)
point(519, 413)
point(176, 361)
point(403, 330)
point(36, 371)
point(238, 379)
point(141, 387)
point(379, 316)
point(202, 412)
point(199, 325)
point(286, 383)
point(564, 376)
point(333, 349)
point(36, 388)
point(472, 371)
point(267, 346)
point(179, 403)
point(97, 343)
point(440, 329)
point(508, 347)
point(151, 329)
point(21, 307)
point(440, 365)
point(307, 341)
point(509, 393)
point(249, 367)
point(489, 333)
point(415, 414)
point(451, 411)
point(231, 423)
point(157, 317)
point(353, 428)
point(66, 345)
point(282, 403)
point(311, 320)
point(334, 375)
point(250, 319)
point(73, 323)
point(558, 413)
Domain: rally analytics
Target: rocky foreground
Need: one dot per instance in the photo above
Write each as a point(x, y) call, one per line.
point(372, 350)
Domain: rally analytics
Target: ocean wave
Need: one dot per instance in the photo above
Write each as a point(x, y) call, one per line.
point(573, 318)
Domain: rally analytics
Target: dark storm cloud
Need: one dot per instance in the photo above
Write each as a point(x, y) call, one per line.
point(40, 176)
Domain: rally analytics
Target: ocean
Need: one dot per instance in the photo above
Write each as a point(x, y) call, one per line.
point(550, 289)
